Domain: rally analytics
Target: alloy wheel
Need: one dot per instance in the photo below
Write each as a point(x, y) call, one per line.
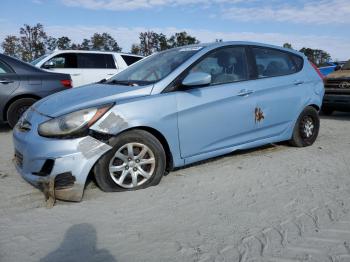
point(132, 165)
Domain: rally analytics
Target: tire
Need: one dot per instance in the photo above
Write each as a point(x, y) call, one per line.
point(117, 160)
point(327, 111)
point(17, 108)
point(306, 128)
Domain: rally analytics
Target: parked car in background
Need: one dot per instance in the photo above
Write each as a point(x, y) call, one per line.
point(170, 109)
point(337, 87)
point(22, 84)
point(330, 67)
point(85, 67)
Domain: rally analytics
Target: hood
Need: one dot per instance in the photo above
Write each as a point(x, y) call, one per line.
point(87, 96)
point(339, 74)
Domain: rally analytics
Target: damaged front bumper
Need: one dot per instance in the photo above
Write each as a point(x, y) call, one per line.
point(59, 167)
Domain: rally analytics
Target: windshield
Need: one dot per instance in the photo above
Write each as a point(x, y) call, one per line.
point(153, 68)
point(346, 66)
point(35, 61)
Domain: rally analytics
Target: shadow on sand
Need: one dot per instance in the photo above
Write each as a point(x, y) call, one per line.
point(79, 244)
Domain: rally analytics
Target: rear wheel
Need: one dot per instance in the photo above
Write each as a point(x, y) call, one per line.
point(17, 108)
point(306, 128)
point(136, 161)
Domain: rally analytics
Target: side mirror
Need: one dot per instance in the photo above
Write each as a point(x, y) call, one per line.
point(197, 79)
point(49, 64)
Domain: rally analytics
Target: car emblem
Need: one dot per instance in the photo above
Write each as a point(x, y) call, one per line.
point(344, 85)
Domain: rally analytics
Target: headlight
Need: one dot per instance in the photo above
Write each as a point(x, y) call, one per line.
point(72, 124)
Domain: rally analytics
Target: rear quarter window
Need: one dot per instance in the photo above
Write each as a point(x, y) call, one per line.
point(129, 60)
point(273, 62)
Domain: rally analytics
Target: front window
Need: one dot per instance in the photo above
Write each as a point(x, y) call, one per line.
point(65, 60)
point(225, 65)
point(154, 68)
point(36, 61)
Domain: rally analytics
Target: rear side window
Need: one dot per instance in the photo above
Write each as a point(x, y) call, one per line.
point(96, 61)
point(271, 62)
point(5, 69)
point(129, 60)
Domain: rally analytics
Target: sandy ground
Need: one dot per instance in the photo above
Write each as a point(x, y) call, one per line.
point(275, 203)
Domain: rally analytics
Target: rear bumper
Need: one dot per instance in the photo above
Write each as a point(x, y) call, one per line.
point(59, 167)
point(340, 102)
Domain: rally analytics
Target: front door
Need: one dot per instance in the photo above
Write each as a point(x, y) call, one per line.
point(220, 115)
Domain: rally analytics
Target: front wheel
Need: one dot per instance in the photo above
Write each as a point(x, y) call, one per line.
point(306, 128)
point(136, 161)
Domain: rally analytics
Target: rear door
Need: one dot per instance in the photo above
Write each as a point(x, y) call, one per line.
point(9, 82)
point(96, 66)
point(280, 86)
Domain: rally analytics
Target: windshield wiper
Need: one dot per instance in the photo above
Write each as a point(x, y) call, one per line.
point(120, 82)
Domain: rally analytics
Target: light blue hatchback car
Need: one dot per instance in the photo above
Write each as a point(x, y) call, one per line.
point(168, 110)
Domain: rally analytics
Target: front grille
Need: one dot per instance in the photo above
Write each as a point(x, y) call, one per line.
point(64, 180)
point(338, 83)
point(18, 159)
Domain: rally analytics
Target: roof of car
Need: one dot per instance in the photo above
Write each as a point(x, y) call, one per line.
point(214, 45)
point(92, 52)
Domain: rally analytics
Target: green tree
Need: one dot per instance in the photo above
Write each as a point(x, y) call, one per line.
point(63, 43)
point(85, 45)
point(149, 43)
point(316, 56)
point(135, 49)
point(11, 46)
point(162, 42)
point(51, 43)
point(287, 45)
point(104, 42)
point(32, 39)
point(181, 39)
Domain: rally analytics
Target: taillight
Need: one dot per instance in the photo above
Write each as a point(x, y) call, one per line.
point(67, 83)
point(318, 72)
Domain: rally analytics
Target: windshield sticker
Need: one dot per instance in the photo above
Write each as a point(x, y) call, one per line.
point(187, 49)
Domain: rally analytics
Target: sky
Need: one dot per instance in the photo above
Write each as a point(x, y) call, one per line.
point(303, 23)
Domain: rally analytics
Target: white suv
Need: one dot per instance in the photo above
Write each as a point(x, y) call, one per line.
point(85, 67)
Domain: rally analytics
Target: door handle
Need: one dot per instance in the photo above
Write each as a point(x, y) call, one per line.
point(298, 82)
point(245, 92)
point(75, 74)
point(5, 81)
point(111, 74)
